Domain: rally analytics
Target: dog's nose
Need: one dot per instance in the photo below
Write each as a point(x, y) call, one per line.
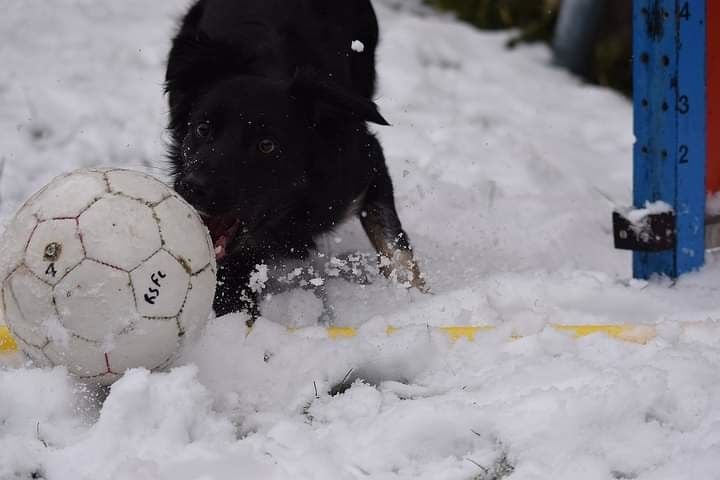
point(194, 188)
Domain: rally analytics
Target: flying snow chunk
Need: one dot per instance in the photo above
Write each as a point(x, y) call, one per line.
point(149, 343)
point(96, 301)
point(69, 195)
point(138, 186)
point(34, 301)
point(184, 234)
point(55, 249)
point(160, 286)
point(120, 231)
point(357, 46)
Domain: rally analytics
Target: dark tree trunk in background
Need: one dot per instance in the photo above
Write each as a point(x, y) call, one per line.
point(593, 38)
point(613, 51)
point(576, 32)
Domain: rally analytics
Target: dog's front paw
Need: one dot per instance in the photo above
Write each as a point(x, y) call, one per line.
point(402, 268)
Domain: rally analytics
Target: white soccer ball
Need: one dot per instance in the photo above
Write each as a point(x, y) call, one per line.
point(105, 270)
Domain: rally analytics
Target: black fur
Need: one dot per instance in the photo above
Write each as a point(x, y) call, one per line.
point(268, 112)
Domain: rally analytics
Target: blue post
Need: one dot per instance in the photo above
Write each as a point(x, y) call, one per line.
point(670, 126)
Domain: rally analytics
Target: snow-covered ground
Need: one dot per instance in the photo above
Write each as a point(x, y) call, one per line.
point(506, 172)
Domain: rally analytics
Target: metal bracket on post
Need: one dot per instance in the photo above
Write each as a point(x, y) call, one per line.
point(654, 233)
point(670, 120)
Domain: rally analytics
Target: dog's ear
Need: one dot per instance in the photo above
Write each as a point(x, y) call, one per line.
point(309, 86)
point(197, 60)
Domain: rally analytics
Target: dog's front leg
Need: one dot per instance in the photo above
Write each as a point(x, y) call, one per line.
point(233, 292)
point(380, 220)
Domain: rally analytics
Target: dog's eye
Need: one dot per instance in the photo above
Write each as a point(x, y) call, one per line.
point(267, 146)
point(203, 129)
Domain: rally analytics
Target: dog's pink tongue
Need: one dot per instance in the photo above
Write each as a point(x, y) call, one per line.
point(222, 230)
point(221, 247)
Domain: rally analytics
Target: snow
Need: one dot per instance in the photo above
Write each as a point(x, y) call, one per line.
point(357, 46)
point(506, 172)
point(713, 204)
point(638, 215)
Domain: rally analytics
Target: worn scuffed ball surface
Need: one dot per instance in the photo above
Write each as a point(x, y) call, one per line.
point(104, 270)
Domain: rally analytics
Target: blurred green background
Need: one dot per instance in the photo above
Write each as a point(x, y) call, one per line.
point(607, 60)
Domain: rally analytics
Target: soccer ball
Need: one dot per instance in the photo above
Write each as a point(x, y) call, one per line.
point(105, 270)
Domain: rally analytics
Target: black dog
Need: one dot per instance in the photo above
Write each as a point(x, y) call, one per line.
point(268, 112)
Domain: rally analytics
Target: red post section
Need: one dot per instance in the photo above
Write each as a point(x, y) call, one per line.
point(713, 95)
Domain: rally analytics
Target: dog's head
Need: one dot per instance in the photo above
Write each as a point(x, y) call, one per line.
point(245, 145)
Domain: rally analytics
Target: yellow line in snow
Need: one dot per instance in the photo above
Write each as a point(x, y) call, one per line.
point(628, 333)
point(7, 342)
